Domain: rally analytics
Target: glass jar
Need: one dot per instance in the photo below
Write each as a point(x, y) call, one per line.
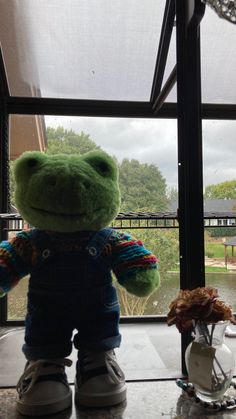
point(209, 361)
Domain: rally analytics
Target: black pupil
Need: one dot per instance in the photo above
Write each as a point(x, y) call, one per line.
point(32, 162)
point(103, 167)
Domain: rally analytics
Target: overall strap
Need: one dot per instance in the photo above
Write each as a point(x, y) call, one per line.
point(42, 243)
point(98, 241)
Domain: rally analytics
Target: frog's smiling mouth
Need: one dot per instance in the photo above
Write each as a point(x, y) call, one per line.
point(59, 214)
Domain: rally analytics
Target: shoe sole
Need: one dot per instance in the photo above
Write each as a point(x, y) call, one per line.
point(100, 400)
point(44, 409)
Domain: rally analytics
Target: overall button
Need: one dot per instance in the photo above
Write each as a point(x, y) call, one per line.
point(46, 253)
point(92, 251)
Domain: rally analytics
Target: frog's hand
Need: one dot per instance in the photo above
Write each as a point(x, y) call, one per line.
point(135, 267)
point(142, 283)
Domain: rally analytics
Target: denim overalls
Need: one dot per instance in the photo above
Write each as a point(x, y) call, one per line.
point(70, 289)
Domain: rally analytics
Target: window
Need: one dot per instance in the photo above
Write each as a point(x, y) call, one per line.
point(146, 151)
point(220, 199)
point(86, 52)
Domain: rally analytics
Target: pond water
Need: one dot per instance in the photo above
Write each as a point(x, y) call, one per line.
point(157, 304)
point(226, 285)
point(160, 300)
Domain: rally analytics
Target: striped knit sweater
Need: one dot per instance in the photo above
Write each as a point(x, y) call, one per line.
point(124, 255)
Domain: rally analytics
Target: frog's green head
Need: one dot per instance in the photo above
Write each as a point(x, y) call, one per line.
point(67, 193)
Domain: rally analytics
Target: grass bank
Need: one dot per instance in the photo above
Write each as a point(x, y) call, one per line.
point(214, 250)
point(207, 269)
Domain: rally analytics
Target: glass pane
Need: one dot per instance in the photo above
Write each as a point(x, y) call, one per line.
point(81, 49)
point(218, 39)
point(220, 199)
point(146, 151)
point(218, 60)
point(170, 63)
point(17, 301)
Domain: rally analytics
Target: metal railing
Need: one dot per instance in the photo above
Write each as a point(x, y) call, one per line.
point(12, 223)
point(133, 220)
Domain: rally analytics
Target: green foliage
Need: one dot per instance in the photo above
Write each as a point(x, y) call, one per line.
point(142, 187)
point(224, 190)
point(172, 195)
point(61, 140)
point(216, 250)
point(215, 269)
point(209, 253)
point(221, 231)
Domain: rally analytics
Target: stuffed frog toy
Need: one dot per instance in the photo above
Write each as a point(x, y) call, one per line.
point(70, 254)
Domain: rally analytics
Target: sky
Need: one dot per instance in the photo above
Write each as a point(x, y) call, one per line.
point(155, 141)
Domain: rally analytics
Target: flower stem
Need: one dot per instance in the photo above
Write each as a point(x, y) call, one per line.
point(209, 340)
point(212, 331)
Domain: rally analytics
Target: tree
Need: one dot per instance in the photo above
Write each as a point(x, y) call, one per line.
point(61, 140)
point(223, 190)
point(130, 305)
point(172, 196)
point(142, 187)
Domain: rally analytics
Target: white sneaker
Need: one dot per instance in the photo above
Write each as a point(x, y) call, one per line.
point(99, 382)
point(43, 388)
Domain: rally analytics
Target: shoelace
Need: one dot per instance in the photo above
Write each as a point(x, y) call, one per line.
point(37, 369)
point(92, 360)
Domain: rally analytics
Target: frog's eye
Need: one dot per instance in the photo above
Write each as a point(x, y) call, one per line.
point(103, 168)
point(28, 164)
point(103, 164)
point(32, 163)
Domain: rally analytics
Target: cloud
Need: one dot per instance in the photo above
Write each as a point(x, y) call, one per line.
point(219, 151)
point(155, 141)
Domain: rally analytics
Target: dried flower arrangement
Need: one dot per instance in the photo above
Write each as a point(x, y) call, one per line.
point(198, 305)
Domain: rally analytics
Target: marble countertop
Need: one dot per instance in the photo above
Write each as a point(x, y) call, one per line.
point(145, 400)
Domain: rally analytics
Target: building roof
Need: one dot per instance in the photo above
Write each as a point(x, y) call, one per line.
point(212, 205)
point(230, 242)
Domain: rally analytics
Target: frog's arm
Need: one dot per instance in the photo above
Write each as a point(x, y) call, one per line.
point(15, 261)
point(135, 267)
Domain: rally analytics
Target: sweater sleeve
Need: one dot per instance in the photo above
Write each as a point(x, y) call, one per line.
point(129, 256)
point(15, 260)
